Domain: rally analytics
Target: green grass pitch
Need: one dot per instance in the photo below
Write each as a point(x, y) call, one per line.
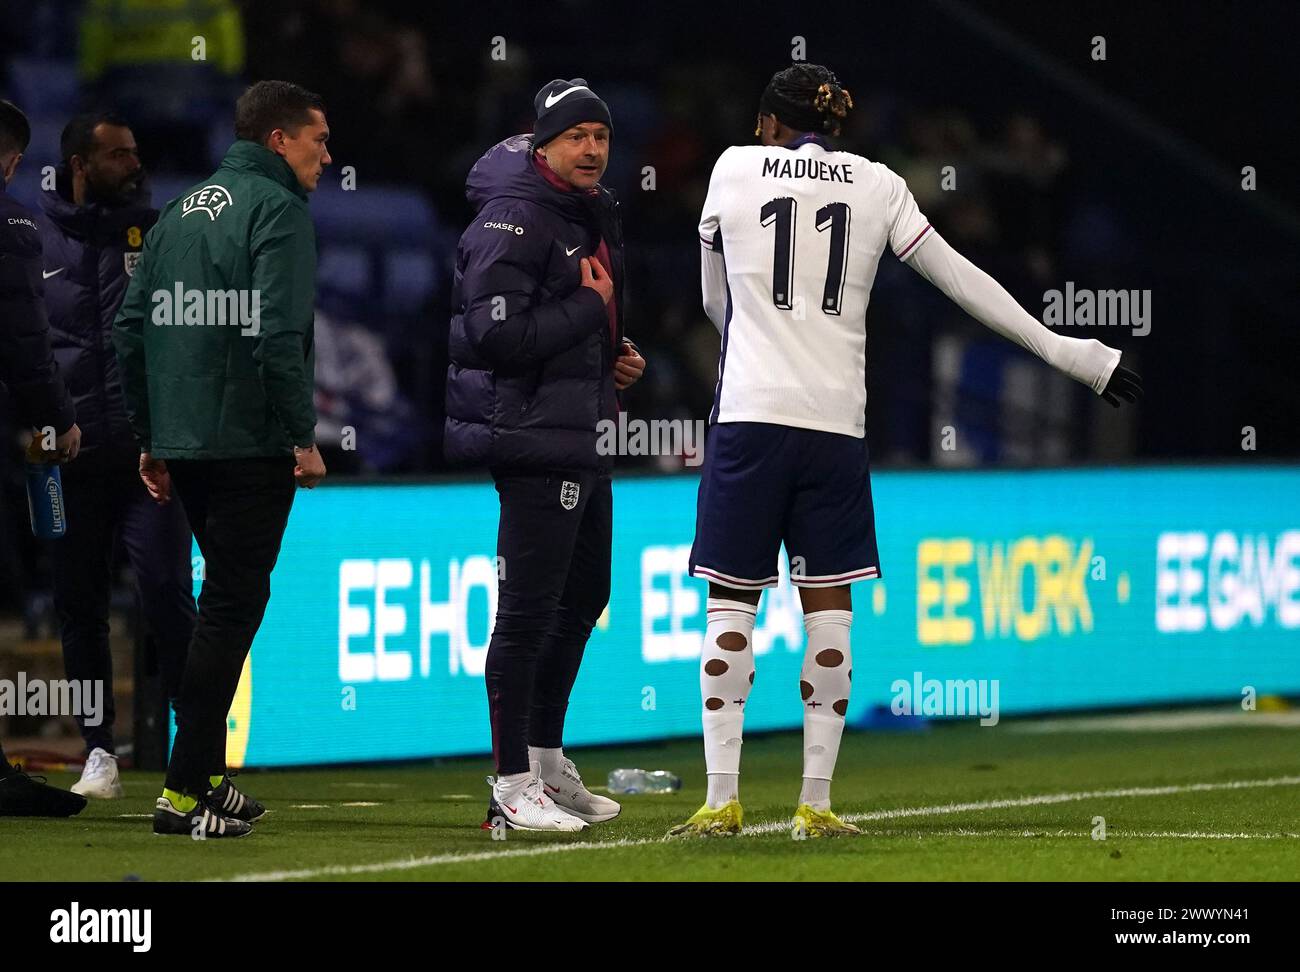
point(956, 802)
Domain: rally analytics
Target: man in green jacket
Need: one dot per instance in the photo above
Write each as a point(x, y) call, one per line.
point(214, 340)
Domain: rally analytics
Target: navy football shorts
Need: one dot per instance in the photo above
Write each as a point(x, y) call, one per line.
point(762, 485)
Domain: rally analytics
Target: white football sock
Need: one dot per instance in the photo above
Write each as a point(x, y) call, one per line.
point(723, 788)
point(824, 685)
point(512, 780)
point(548, 759)
point(726, 676)
point(816, 793)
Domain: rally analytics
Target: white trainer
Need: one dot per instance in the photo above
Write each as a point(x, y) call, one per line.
point(99, 779)
point(524, 805)
point(570, 794)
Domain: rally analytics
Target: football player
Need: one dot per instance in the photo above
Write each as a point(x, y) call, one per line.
point(792, 231)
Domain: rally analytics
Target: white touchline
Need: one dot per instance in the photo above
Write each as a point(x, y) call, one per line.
point(1202, 835)
point(1111, 835)
point(415, 862)
point(1176, 721)
point(369, 786)
point(1044, 800)
point(772, 827)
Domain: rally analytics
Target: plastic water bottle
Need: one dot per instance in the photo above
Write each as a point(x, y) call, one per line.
point(45, 496)
point(643, 781)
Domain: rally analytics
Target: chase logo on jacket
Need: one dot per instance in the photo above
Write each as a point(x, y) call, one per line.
point(508, 227)
point(210, 199)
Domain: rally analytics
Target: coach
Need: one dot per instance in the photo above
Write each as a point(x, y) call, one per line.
point(537, 360)
point(92, 227)
point(37, 398)
point(37, 395)
point(219, 393)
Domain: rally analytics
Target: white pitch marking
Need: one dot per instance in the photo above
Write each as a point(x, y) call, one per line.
point(1111, 835)
point(416, 862)
point(1203, 835)
point(135, 816)
point(371, 786)
point(359, 803)
point(1043, 800)
point(1164, 722)
point(759, 829)
point(309, 806)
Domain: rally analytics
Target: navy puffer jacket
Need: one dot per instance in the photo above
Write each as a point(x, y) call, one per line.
point(531, 369)
point(90, 252)
point(36, 392)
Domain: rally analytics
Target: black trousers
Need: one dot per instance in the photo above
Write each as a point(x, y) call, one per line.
point(105, 500)
point(237, 509)
point(554, 542)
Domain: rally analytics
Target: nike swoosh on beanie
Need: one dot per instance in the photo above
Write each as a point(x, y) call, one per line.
point(553, 99)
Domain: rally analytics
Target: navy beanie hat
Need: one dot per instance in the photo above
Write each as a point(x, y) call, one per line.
point(562, 104)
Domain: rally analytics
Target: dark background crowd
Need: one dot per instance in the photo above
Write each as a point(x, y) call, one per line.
point(1123, 172)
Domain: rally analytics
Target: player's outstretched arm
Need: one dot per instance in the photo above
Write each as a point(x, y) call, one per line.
point(1085, 360)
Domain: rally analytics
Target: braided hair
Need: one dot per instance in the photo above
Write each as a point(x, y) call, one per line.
point(807, 98)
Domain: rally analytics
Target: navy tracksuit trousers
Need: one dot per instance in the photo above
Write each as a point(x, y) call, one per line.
point(554, 545)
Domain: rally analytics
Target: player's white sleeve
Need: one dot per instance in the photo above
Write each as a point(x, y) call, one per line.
point(984, 299)
point(907, 227)
point(713, 284)
point(713, 266)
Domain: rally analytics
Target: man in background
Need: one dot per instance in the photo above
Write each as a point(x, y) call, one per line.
point(224, 411)
point(36, 395)
point(92, 229)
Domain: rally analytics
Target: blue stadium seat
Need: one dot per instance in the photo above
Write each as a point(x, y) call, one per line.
point(43, 86)
point(345, 269)
point(372, 214)
point(409, 280)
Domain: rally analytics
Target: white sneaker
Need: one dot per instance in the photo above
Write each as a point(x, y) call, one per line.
point(569, 793)
point(524, 805)
point(99, 779)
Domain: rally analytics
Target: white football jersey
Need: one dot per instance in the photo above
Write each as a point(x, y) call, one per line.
point(792, 237)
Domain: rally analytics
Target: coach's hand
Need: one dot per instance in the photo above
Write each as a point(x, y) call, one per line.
point(628, 367)
point(595, 277)
point(311, 467)
point(66, 446)
point(156, 478)
point(69, 444)
point(1124, 385)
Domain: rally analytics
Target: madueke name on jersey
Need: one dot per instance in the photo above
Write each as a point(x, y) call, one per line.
point(807, 169)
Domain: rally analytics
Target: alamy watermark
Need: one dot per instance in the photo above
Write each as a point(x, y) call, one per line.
point(53, 697)
point(1102, 308)
point(220, 308)
point(98, 926)
point(656, 437)
point(949, 697)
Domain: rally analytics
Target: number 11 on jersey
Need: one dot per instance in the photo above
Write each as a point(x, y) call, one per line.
point(834, 216)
